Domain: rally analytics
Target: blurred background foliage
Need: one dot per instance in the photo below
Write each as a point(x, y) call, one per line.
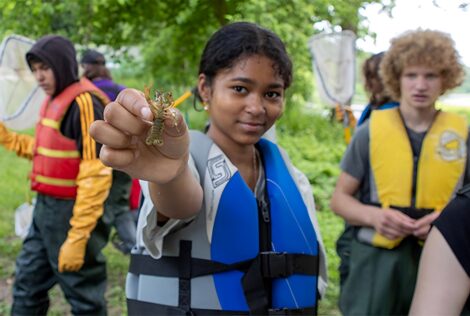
point(161, 41)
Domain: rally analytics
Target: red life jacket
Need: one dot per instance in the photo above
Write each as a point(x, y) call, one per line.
point(56, 159)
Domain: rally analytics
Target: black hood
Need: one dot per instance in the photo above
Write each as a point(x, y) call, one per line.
point(59, 53)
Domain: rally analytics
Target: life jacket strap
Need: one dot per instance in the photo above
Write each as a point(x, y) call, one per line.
point(465, 191)
point(413, 212)
point(266, 265)
point(184, 269)
point(138, 308)
point(272, 265)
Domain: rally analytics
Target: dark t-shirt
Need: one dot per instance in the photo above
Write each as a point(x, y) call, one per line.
point(454, 225)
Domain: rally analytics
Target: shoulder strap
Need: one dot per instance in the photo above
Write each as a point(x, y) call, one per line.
point(199, 148)
point(465, 190)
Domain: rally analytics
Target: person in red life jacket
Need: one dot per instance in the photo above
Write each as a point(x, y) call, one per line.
point(118, 205)
point(403, 166)
point(66, 237)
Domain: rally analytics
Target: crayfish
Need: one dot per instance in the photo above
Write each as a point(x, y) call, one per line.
point(161, 110)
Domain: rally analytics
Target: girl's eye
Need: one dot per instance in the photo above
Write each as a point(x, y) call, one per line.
point(273, 94)
point(239, 89)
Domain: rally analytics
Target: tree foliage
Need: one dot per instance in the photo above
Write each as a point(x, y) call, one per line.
point(170, 34)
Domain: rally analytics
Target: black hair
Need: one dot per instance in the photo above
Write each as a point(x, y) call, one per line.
point(32, 59)
point(239, 40)
point(373, 84)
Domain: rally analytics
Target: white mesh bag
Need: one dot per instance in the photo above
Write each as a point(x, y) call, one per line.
point(20, 96)
point(334, 63)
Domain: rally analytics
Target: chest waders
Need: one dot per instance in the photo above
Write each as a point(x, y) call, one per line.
point(259, 261)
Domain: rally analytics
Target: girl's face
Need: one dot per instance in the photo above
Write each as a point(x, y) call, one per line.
point(243, 101)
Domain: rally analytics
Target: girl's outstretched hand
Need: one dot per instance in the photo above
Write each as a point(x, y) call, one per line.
point(123, 132)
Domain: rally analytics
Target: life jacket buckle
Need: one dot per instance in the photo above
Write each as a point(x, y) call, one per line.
point(276, 264)
point(288, 311)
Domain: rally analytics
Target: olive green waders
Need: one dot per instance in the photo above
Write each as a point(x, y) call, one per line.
point(379, 281)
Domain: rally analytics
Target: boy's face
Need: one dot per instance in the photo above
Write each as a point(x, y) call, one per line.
point(420, 86)
point(44, 76)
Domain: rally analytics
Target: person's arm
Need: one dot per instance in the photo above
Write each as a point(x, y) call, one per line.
point(22, 145)
point(443, 286)
point(173, 188)
point(93, 181)
point(388, 222)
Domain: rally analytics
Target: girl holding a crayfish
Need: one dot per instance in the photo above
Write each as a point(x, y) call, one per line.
point(228, 226)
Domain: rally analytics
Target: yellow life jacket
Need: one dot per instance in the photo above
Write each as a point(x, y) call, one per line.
point(441, 163)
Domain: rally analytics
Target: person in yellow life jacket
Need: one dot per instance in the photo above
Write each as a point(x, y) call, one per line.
point(66, 236)
point(402, 167)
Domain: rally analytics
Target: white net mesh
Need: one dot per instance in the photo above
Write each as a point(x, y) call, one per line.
point(20, 96)
point(334, 60)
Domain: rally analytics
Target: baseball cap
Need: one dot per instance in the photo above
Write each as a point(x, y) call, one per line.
point(91, 56)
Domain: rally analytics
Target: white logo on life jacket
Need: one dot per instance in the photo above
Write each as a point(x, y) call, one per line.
point(451, 146)
point(218, 170)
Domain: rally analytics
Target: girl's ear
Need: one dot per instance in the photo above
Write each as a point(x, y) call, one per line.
point(203, 88)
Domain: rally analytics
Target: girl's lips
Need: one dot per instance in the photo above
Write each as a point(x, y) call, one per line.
point(252, 126)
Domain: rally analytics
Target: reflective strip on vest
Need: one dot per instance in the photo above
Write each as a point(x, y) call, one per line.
point(54, 181)
point(50, 123)
point(58, 153)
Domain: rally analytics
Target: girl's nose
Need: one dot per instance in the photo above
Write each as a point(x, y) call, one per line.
point(255, 104)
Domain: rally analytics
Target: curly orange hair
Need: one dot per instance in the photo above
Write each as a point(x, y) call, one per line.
point(428, 48)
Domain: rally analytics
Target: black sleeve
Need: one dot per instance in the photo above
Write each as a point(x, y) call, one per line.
point(78, 118)
point(454, 225)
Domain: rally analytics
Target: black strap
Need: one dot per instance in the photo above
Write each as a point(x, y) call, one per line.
point(256, 294)
point(465, 190)
point(140, 308)
point(184, 269)
point(267, 265)
point(272, 265)
point(413, 212)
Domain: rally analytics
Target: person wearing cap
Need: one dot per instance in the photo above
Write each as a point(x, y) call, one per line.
point(118, 205)
point(65, 241)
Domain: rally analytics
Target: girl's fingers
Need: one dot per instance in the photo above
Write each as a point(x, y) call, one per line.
point(175, 136)
point(134, 101)
point(106, 134)
point(118, 116)
point(117, 158)
point(174, 123)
